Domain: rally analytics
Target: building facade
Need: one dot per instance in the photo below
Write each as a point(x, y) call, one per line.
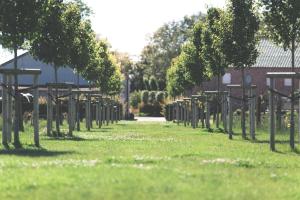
point(272, 58)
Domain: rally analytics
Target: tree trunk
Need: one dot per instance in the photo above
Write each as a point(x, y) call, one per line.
point(244, 105)
point(17, 98)
point(57, 120)
point(292, 130)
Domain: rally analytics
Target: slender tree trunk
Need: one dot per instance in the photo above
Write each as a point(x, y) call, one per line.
point(244, 105)
point(57, 120)
point(292, 130)
point(218, 103)
point(17, 98)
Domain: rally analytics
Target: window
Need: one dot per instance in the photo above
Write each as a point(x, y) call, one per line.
point(226, 78)
point(287, 82)
point(268, 82)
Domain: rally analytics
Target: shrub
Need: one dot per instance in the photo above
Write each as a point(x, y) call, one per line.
point(153, 110)
point(153, 83)
point(145, 97)
point(152, 97)
point(135, 99)
point(160, 97)
point(146, 84)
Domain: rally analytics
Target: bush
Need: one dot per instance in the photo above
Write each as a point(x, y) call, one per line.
point(151, 110)
point(160, 97)
point(152, 97)
point(135, 99)
point(146, 84)
point(153, 84)
point(145, 97)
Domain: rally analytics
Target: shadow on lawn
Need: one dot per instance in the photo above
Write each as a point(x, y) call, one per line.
point(68, 138)
point(33, 152)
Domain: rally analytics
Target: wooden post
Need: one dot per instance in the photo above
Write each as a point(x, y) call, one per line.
point(10, 109)
point(252, 113)
point(177, 113)
point(207, 113)
point(107, 112)
point(86, 114)
point(100, 113)
point(49, 111)
point(193, 113)
point(36, 111)
point(272, 115)
point(225, 112)
point(70, 111)
point(4, 110)
point(230, 115)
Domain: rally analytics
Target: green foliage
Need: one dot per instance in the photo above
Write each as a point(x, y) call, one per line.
point(151, 110)
point(56, 33)
point(135, 99)
point(165, 45)
point(187, 70)
point(213, 56)
point(146, 84)
point(153, 83)
point(239, 29)
point(152, 97)
point(18, 21)
point(282, 18)
point(160, 97)
point(145, 97)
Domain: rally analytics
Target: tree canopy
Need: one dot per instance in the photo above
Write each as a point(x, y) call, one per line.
point(164, 45)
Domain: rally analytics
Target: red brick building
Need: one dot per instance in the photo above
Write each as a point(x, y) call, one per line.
point(272, 58)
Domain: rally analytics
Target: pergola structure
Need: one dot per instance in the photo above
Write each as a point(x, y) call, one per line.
point(7, 101)
point(224, 107)
point(272, 91)
point(55, 98)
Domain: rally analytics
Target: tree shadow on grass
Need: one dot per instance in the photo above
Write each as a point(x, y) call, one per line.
point(69, 138)
point(33, 152)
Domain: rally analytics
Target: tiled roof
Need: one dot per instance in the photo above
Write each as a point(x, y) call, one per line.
point(272, 55)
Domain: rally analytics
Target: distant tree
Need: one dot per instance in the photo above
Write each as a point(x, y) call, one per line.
point(282, 18)
point(164, 45)
point(103, 71)
point(18, 20)
point(187, 70)
point(240, 43)
point(213, 56)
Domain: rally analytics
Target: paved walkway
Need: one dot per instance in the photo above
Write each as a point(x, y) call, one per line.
point(150, 119)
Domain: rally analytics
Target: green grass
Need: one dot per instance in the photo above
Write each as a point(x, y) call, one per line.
point(134, 160)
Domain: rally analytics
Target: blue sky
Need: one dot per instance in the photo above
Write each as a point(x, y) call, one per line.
point(128, 23)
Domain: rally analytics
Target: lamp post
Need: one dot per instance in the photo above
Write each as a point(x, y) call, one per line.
point(128, 81)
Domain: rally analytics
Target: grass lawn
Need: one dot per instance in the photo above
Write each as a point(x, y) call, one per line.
point(133, 160)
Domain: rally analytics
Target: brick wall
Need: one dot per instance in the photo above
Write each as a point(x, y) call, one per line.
point(258, 75)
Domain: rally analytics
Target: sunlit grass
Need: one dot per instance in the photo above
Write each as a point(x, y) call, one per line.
point(134, 160)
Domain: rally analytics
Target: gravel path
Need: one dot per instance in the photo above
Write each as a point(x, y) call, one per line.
point(150, 119)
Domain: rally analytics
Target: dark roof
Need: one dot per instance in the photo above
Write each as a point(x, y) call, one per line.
point(272, 55)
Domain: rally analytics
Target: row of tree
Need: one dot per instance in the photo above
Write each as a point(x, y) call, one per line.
point(229, 38)
point(59, 33)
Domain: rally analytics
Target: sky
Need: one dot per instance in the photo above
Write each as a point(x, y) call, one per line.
point(127, 24)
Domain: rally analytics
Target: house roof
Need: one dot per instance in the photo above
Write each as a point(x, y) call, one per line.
point(272, 55)
point(12, 60)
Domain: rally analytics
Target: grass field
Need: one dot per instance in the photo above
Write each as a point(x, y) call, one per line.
point(134, 160)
